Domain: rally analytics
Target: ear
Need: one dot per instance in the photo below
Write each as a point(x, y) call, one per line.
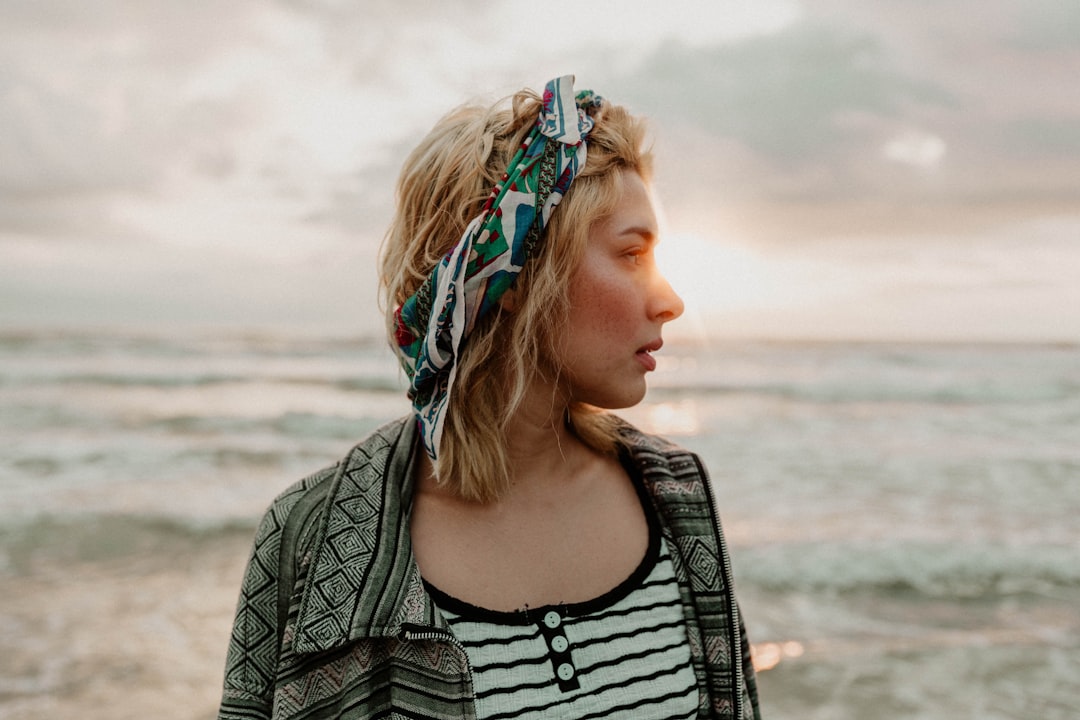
point(509, 300)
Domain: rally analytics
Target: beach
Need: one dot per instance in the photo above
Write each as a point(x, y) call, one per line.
point(901, 516)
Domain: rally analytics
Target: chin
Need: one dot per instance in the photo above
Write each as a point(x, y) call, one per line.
point(620, 400)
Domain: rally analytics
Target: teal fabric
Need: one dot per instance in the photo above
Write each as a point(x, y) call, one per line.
point(362, 638)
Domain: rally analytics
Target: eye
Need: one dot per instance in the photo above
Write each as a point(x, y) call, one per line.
point(636, 254)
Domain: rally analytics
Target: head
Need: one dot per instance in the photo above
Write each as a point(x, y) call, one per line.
point(442, 187)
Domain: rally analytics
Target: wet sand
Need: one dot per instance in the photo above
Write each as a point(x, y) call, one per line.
point(126, 638)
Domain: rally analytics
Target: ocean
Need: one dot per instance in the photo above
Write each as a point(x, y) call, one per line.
point(903, 517)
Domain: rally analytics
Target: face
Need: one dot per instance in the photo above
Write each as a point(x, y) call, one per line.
point(619, 303)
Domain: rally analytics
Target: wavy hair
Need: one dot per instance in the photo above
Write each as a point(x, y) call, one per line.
point(443, 185)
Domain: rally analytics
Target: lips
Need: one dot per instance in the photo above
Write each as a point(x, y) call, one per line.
point(645, 357)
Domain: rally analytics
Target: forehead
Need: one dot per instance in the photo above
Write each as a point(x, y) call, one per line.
point(634, 209)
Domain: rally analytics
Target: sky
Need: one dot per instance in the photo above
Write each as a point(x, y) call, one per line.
point(826, 169)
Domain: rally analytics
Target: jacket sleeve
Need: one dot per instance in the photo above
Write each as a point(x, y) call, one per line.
point(255, 645)
point(750, 677)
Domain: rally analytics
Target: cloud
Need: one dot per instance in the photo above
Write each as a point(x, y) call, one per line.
point(920, 150)
point(1043, 137)
point(183, 107)
point(829, 107)
point(92, 108)
point(783, 95)
point(160, 149)
point(1048, 25)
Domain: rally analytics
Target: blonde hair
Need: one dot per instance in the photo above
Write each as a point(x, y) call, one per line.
point(442, 187)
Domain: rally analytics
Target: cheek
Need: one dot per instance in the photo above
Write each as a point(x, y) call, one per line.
point(600, 307)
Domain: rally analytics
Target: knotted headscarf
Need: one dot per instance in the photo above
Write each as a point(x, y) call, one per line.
point(433, 324)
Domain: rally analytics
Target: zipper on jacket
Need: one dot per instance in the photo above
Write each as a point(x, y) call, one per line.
point(733, 609)
point(415, 632)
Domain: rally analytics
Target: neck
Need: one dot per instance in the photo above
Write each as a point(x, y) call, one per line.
point(538, 426)
point(541, 447)
point(542, 450)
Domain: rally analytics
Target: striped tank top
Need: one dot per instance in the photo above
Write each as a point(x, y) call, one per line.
point(624, 654)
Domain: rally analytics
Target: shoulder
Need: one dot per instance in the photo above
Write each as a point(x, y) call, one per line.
point(674, 477)
point(657, 452)
point(301, 501)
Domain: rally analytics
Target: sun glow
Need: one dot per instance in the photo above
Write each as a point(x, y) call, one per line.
point(768, 655)
point(725, 279)
point(709, 274)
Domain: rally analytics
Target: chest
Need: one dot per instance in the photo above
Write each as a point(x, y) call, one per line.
point(553, 549)
point(624, 654)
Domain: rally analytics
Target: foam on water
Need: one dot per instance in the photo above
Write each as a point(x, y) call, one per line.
point(933, 570)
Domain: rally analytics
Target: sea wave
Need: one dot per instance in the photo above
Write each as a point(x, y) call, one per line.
point(845, 392)
point(929, 569)
point(130, 361)
point(837, 373)
point(27, 544)
point(359, 383)
point(83, 342)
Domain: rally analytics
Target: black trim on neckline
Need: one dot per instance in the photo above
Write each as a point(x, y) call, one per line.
point(529, 615)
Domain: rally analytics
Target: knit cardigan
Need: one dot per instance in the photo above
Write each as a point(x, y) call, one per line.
point(333, 620)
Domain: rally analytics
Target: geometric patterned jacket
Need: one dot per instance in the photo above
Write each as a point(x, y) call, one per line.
point(333, 620)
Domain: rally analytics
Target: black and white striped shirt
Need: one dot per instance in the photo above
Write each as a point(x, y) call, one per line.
point(622, 655)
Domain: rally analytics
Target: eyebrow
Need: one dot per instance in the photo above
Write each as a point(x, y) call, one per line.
point(645, 232)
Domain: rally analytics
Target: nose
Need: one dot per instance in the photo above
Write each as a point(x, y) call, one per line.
point(664, 303)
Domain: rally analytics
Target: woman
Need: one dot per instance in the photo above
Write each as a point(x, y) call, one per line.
point(510, 549)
